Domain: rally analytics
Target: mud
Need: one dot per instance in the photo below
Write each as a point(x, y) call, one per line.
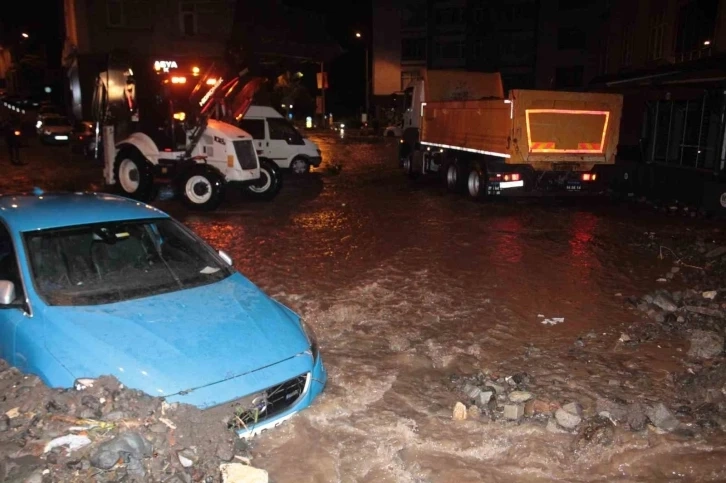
point(414, 292)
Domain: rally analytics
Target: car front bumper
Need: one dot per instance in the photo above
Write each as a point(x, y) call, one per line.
point(55, 138)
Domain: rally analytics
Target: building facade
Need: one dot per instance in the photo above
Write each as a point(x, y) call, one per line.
point(668, 59)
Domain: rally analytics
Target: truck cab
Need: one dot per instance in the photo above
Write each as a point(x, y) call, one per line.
point(275, 138)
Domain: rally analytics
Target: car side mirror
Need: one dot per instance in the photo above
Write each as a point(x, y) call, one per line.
point(7, 292)
point(225, 257)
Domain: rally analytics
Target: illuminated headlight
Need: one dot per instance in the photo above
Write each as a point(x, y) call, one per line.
point(83, 383)
point(312, 339)
point(38, 124)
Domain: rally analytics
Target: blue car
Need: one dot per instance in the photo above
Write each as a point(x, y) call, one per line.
point(93, 284)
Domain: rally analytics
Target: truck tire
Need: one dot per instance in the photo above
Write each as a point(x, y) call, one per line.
point(299, 165)
point(455, 177)
point(269, 184)
point(477, 182)
point(133, 174)
point(202, 189)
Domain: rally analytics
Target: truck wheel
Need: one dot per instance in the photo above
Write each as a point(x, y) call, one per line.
point(455, 177)
point(299, 166)
point(202, 189)
point(269, 184)
point(477, 183)
point(133, 175)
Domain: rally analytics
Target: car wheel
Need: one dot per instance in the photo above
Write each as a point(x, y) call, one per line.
point(133, 175)
point(476, 183)
point(299, 166)
point(202, 189)
point(269, 184)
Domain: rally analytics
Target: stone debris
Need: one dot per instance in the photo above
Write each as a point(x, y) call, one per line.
point(662, 417)
point(460, 412)
point(709, 294)
point(239, 473)
point(569, 416)
point(513, 412)
point(705, 344)
point(520, 396)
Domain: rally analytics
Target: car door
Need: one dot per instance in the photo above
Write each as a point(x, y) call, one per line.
point(256, 129)
point(10, 315)
point(285, 141)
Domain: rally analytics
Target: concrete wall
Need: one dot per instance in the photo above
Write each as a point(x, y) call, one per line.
point(386, 47)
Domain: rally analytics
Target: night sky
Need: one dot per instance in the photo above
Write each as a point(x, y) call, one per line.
point(43, 21)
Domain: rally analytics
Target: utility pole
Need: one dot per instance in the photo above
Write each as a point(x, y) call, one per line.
point(322, 95)
point(368, 88)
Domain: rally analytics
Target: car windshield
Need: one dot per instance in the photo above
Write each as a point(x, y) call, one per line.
point(57, 121)
point(111, 262)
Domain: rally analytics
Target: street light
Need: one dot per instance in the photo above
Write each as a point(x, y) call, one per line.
point(25, 36)
point(358, 35)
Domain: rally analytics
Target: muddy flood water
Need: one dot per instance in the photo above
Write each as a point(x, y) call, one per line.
point(412, 290)
point(409, 287)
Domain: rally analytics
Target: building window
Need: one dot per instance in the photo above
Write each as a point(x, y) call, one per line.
point(188, 18)
point(408, 76)
point(657, 34)
point(479, 15)
point(563, 5)
point(413, 49)
point(449, 16)
point(413, 16)
point(449, 49)
point(115, 13)
point(567, 77)
point(695, 28)
point(569, 38)
point(477, 49)
point(627, 45)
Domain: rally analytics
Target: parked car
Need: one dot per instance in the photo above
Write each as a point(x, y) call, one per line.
point(116, 287)
point(277, 139)
point(45, 112)
point(393, 131)
point(55, 130)
point(83, 139)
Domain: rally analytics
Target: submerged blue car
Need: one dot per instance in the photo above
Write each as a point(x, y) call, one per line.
point(94, 284)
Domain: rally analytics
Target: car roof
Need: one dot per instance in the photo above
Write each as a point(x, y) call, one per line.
point(28, 212)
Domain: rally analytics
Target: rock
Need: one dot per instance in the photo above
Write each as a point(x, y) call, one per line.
point(553, 427)
point(648, 299)
point(716, 252)
point(87, 413)
point(472, 391)
point(680, 319)
point(158, 428)
point(569, 415)
point(520, 396)
point(665, 302)
point(91, 402)
point(239, 473)
point(513, 412)
point(131, 447)
point(473, 413)
point(187, 457)
point(675, 269)
point(3, 423)
point(597, 431)
point(635, 417)
point(662, 417)
point(704, 311)
point(710, 294)
point(115, 416)
point(705, 344)
point(495, 387)
point(35, 477)
point(459, 412)
point(484, 398)
point(226, 453)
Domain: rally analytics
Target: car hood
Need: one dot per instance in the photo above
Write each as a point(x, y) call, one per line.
point(178, 341)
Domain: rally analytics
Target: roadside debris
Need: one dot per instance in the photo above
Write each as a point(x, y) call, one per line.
point(105, 432)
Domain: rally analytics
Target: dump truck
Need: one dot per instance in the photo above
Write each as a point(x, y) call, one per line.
point(461, 126)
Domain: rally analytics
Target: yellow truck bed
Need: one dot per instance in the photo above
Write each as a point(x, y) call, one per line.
point(539, 128)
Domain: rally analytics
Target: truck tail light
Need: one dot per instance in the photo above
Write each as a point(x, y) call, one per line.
point(589, 177)
point(509, 176)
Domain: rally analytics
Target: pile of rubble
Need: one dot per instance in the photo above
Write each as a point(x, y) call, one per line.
point(105, 432)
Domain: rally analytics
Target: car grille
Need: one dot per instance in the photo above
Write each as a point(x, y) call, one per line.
point(246, 155)
point(264, 405)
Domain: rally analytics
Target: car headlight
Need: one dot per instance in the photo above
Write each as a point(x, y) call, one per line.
point(312, 338)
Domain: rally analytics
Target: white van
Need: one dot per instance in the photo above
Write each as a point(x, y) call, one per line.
point(277, 139)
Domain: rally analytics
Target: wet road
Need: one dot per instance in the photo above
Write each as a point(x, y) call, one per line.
point(407, 285)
